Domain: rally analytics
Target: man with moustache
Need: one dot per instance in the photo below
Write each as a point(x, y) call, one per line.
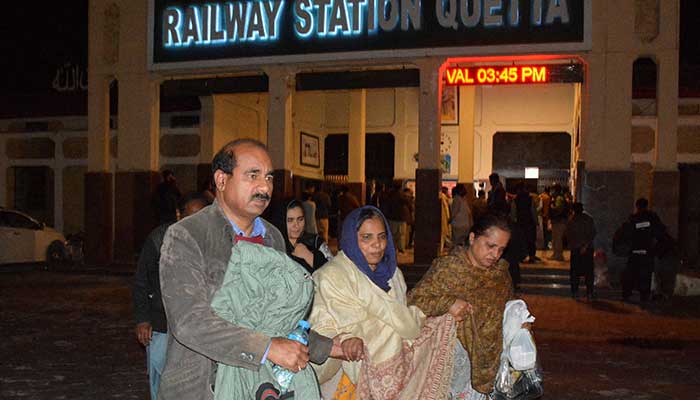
point(195, 255)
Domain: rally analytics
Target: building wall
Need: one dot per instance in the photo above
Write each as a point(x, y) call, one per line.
point(519, 108)
point(63, 148)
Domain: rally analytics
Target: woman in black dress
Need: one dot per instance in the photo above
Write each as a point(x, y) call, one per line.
point(307, 249)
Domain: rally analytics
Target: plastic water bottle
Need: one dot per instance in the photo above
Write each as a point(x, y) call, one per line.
point(284, 376)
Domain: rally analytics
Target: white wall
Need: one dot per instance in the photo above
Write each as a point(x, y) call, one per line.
point(392, 111)
point(519, 108)
point(516, 108)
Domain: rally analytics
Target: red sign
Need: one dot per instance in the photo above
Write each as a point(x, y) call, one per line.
point(498, 75)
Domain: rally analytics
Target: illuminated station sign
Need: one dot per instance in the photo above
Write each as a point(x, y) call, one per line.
point(513, 74)
point(192, 30)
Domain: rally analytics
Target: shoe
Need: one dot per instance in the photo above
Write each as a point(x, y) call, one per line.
point(537, 259)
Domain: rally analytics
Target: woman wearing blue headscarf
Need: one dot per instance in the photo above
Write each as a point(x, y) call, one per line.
point(361, 293)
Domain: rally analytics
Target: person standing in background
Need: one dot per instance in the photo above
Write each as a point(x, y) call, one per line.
point(645, 231)
point(347, 202)
point(580, 232)
point(545, 201)
point(559, 214)
point(323, 206)
point(309, 213)
point(151, 323)
point(461, 220)
point(497, 202)
point(166, 198)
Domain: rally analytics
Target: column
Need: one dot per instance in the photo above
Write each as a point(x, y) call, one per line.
point(665, 175)
point(137, 164)
point(467, 101)
point(428, 174)
point(58, 164)
point(280, 131)
point(4, 165)
point(356, 143)
point(99, 192)
point(605, 149)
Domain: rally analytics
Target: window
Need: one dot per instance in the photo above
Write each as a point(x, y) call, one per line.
point(15, 220)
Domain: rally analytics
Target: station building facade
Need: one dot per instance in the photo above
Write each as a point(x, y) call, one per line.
point(462, 89)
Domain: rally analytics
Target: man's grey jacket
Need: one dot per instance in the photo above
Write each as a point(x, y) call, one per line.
point(194, 257)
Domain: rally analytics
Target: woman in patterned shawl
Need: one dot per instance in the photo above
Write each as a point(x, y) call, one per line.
point(362, 293)
point(475, 275)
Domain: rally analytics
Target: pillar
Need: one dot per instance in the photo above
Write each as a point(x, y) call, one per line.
point(99, 192)
point(467, 101)
point(665, 175)
point(58, 166)
point(356, 143)
point(226, 117)
point(428, 174)
point(137, 164)
point(280, 131)
point(605, 151)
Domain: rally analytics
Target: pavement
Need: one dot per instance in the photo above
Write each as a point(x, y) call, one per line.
point(69, 335)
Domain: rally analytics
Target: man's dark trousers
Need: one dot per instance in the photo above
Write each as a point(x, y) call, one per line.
point(638, 273)
point(581, 265)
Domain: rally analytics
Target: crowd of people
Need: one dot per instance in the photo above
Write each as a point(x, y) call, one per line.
point(218, 289)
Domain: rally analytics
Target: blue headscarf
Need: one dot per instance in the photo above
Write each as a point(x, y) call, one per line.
point(348, 243)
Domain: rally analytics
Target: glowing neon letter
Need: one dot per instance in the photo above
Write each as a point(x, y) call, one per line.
point(217, 34)
point(539, 74)
point(372, 15)
point(356, 16)
point(410, 13)
point(389, 22)
point(492, 18)
point(558, 9)
point(305, 19)
point(447, 18)
point(256, 23)
point(234, 19)
point(192, 31)
point(536, 12)
point(171, 27)
point(338, 20)
point(470, 20)
point(272, 10)
point(514, 13)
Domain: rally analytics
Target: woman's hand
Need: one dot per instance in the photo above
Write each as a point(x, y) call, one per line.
point(301, 251)
point(353, 349)
point(459, 309)
point(350, 349)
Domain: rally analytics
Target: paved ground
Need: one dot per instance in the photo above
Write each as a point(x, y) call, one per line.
point(69, 336)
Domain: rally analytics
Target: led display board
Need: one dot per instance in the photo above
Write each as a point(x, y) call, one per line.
point(215, 33)
point(513, 74)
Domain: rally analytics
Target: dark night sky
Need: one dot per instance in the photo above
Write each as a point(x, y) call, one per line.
point(58, 35)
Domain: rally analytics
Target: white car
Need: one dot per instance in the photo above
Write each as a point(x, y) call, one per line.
point(25, 240)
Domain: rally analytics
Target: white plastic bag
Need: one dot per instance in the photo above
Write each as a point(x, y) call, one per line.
point(522, 352)
point(518, 344)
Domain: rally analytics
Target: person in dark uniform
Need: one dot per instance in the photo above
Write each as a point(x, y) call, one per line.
point(645, 228)
point(580, 232)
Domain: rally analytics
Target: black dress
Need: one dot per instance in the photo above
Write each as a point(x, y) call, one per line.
point(312, 241)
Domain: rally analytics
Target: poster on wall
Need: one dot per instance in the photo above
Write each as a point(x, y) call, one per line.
point(310, 154)
point(449, 151)
point(450, 105)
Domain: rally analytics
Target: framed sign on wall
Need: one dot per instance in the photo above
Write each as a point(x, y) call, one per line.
point(309, 150)
point(449, 110)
